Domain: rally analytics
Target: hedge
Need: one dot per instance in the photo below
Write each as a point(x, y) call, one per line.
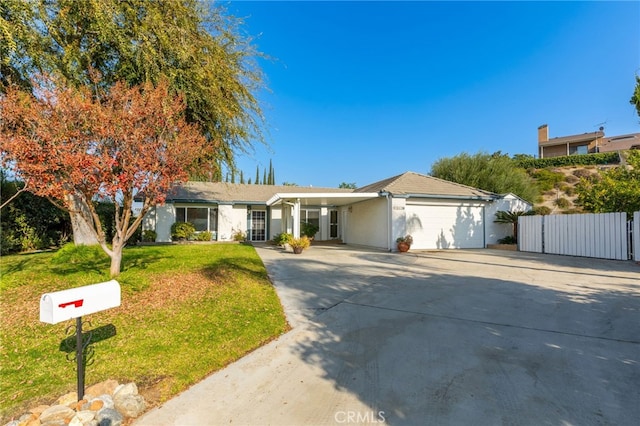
point(569, 160)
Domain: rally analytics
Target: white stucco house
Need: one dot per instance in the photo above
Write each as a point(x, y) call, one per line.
point(437, 213)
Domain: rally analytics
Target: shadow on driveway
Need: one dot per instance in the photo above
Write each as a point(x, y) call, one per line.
point(461, 337)
point(434, 338)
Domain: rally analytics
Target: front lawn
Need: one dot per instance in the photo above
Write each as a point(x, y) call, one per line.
point(187, 311)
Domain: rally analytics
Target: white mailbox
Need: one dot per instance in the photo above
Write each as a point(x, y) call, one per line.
point(76, 302)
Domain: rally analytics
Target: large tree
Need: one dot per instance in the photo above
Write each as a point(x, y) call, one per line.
point(492, 172)
point(194, 45)
point(613, 190)
point(635, 98)
point(74, 147)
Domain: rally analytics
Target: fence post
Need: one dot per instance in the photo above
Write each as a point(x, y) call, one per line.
point(636, 236)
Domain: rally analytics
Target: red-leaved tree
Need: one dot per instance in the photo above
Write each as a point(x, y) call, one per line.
point(76, 148)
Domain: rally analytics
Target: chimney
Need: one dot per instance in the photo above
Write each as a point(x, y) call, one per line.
point(543, 133)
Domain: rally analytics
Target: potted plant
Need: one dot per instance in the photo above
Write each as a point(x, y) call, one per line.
point(282, 239)
point(299, 244)
point(404, 243)
point(308, 229)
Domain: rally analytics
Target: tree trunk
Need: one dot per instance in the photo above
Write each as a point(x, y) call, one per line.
point(83, 232)
point(116, 261)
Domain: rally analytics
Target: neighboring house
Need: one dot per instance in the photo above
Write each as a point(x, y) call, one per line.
point(620, 143)
point(437, 213)
point(586, 143)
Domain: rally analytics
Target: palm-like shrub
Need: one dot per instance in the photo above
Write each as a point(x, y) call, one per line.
point(503, 216)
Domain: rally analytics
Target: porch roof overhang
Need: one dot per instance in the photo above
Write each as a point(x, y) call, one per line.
point(322, 198)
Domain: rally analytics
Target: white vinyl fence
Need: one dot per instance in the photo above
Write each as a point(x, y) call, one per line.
point(601, 235)
point(636, 237)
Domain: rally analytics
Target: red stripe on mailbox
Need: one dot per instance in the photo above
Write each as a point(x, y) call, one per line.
point(75, 303)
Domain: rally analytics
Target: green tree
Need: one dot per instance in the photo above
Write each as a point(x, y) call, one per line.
point(492, 172)
point(614, 190)
point(272, 177)
point(345, 185)
point(193, 45)
point(196, 46)
point(257, 181)
point(635, 99)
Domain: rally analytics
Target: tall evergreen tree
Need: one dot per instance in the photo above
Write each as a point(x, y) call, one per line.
point(257, 181)
point(271, 179)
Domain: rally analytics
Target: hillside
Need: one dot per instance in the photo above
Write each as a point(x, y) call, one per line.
point(558, 186)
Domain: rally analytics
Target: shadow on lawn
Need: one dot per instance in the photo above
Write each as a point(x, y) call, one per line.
point(94, 260)
point(250, 267)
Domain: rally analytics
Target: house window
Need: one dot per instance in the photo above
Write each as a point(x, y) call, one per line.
point(202, 218)
point(578, 150)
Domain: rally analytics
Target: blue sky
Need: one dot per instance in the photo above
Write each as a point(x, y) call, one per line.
point(361, 91)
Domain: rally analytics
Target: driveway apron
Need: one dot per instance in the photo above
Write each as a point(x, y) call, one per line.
point(450, 337)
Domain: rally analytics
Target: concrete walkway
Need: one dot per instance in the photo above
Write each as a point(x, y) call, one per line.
point(434, 338)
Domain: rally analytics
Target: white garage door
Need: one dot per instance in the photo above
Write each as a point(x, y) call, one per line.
point(442, 227)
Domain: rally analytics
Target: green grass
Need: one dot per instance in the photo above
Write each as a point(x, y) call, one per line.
point(187, 311)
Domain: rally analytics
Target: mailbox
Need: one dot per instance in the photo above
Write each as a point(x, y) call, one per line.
point(76, 302)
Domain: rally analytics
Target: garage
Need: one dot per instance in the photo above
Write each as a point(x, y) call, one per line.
point(445, 226)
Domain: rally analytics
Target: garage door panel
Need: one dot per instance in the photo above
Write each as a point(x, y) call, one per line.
point(442, 227)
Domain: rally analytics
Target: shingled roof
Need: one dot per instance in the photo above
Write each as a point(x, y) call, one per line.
point(411, 183)
point(203, 192)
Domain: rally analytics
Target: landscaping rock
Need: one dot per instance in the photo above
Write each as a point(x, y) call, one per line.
point(103, 388)
point(96, 405)
point(56, 413)
point(68, 399)
point(38, 410)
point(130, 405)
point(128, 389)
point(104, 409)
point(109, 417)
point(107, 401)
point(84, 416)
point(55, 423)
point(29, 420)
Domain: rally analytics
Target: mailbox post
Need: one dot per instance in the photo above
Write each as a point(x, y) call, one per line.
point(75, 303)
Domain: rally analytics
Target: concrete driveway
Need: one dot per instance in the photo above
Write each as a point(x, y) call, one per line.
point(434, 338)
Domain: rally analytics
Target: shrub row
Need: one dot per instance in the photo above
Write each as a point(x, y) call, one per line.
point(569, 160)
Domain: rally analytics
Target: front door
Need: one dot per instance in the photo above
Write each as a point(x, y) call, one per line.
point(333, 224)
point(258, 225)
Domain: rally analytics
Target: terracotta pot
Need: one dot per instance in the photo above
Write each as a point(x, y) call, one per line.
point(297, 250)
point(403, 247)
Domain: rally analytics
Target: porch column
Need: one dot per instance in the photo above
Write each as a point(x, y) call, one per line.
point(296, 218)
